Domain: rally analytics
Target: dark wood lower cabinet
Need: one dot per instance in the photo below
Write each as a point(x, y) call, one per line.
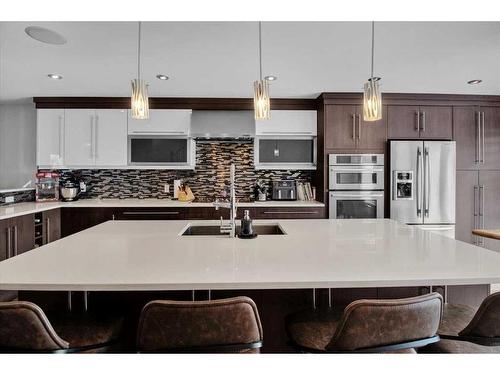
point(74, 219)
point(51, 224)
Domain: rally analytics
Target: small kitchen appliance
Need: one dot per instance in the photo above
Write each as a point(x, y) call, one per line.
point(70, 191)
point(47, 186)
point(284, 190)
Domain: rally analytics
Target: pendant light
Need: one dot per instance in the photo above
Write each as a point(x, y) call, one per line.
point(372, 97)
point(261, 101)
point(139, 101)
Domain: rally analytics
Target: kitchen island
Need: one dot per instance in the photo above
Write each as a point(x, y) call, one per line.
point(152, 255)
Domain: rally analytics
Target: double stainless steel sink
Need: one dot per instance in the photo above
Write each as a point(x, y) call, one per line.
point(214, 230)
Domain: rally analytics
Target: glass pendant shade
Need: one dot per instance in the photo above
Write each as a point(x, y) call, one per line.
point(261, 101)
point(140, 100)
point(372, 101)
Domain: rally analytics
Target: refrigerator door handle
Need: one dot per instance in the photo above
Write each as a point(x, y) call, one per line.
point(417, 182)
point(427, 177)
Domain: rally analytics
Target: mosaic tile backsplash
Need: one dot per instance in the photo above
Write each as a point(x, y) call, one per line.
point(207, 181)
point(19, 196)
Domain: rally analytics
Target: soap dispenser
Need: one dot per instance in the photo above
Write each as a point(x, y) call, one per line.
point(247, 226)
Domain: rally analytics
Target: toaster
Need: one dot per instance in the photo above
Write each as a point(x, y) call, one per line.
point(284, 190)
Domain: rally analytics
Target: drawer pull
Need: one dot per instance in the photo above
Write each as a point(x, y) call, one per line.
point(291, 212)
point(151, 213)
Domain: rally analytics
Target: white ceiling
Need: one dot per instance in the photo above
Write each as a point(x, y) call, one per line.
point(219, 59)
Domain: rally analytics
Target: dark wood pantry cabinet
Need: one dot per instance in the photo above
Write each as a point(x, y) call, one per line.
point(419, 122)
point(477, 133)
point(476, 208)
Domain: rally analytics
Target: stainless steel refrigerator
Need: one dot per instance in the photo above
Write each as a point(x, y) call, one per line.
point(422, 181)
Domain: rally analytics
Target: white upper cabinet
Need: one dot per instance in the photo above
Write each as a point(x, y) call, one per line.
point(79, 137)
point(50, 138)
point(176, 122)
point(110, 137)
point(288, 123)
point(96, 138)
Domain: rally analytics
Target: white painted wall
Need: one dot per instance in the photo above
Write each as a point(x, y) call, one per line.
point(17, 145)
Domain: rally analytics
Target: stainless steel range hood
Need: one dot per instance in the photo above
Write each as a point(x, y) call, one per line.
point(223, 125)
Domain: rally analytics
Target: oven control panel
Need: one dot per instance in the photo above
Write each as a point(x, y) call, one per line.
point(403, 185)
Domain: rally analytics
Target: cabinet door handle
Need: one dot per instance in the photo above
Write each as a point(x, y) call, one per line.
point(423, 121)
point(61, 137)
point(478, 136)
point(481, 211)
point(417, 126)
point(9, 243)
point(16, 240)
point(91, 136)
point(353, 126)
point(96, 129)
point(47, 229)
point(475, 238)
point(482, 137)
point(359, 127)
point(151, 213)
point(291, 212)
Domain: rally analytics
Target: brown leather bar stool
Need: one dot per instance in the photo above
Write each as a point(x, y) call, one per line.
point(368, 326)
point(463, 330)
point(229, 325)
point(25, 328)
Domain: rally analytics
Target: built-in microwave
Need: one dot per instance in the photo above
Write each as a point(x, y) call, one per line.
point(285, 152)
point(161, 151)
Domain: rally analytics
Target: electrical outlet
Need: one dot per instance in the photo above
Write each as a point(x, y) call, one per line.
point(9, 199)
point(166, 188)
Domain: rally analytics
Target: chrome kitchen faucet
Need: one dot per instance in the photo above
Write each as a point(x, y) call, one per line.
point(231, 226)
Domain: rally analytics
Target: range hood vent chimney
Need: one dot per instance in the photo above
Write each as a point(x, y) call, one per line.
point(223, 125)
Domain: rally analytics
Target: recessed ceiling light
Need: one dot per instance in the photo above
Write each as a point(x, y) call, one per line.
point(475, 81)
point(54, 76)
point(163, 77)
point(374, 79)
point(45, 35)
point(270, 78)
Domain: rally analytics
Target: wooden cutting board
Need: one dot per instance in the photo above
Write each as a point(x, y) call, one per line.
point(488, 233)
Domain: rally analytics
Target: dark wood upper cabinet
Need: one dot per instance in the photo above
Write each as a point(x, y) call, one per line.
point(490, 138)
point(340, 126)
point(345, 129)
point(415, 122)
point(402, 122)
point(372, 135)
point(51, 225)
point(436, 122)
point(465, 133)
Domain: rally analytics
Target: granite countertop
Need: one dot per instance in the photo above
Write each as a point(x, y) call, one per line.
point(19, 209)
point(316, 253)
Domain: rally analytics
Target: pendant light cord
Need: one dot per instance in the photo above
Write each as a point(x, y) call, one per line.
point(139, 53)
point(373, 46)
point(260, 50)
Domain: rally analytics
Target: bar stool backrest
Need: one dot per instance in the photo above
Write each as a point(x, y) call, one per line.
point(486, 321)
point(24, 326)
point(226, 325)
point(378, 323)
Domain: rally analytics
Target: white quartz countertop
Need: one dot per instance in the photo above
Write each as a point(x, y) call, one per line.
point(151, 255)
point(19, 209)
